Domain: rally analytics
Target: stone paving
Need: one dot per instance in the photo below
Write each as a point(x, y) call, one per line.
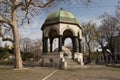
point(91, 72)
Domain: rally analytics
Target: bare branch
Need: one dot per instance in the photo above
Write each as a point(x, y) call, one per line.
point(7, 39)
point(5, 20)
point(26, 16)
point(3, 36)
point(42, 5)
point(19, 4)
point(24, 6)
point(6, 3)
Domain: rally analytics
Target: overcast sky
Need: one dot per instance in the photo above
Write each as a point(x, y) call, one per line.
point(81, 12)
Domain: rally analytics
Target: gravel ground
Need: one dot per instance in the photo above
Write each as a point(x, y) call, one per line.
point(38, 73)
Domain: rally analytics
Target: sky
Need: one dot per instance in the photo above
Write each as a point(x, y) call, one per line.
point(80, 11)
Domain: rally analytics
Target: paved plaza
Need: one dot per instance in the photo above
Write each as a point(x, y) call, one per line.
point(44, 73)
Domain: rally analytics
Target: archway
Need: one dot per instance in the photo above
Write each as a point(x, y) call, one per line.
point(67, 34)
point(68, 43)
point(53, 38)
point(67, 48)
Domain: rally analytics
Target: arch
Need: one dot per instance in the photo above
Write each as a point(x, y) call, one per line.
point(68, 48)
point(67, 33)
point(67, 28)
point(53, 33)
point(48, 29)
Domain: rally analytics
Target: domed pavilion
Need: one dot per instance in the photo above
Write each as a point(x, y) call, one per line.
point(61, 25)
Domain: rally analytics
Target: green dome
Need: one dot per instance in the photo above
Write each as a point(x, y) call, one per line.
point(61, 16)
point(61, 13)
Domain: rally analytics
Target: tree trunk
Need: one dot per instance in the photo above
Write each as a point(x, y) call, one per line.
point(18, 64)
point(103, 51)
point(16, 42)
point(89, 55)
point(111, 48)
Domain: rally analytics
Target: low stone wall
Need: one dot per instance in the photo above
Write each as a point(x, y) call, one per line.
point(57, 59)
point(79, 58)
point(52, 59)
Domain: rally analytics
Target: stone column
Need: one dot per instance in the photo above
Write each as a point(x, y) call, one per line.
point(60, 43)
point(51, 45)
point(75, 44)
point(45, 44)
point(79, 41)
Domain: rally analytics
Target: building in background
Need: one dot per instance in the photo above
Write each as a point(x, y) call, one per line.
point(106, 58)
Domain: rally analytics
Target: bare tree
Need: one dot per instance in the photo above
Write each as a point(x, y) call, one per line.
point(25, 44)
point(101, 39)
point(31, 47)
point(110, 30)
point(10, 16)
point(89, 33)
point(36, 49)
